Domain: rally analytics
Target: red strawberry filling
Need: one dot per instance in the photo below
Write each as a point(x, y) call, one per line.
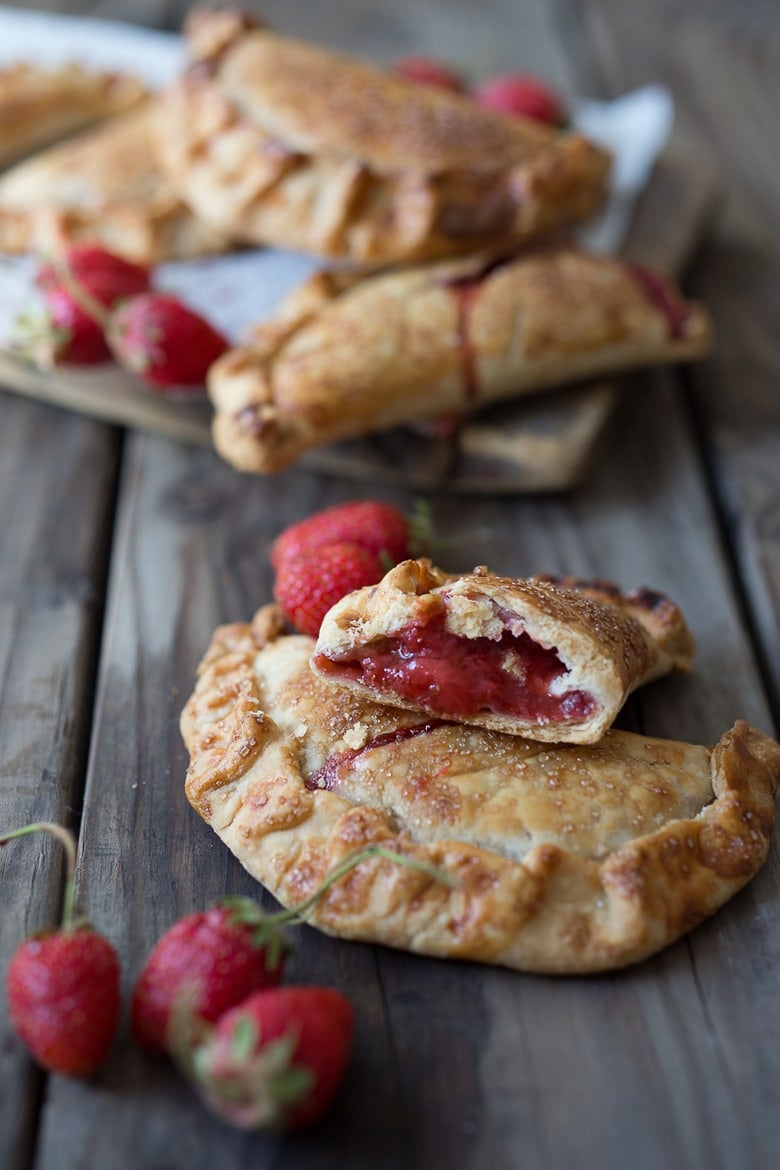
point(664, 296)
point(449, 675)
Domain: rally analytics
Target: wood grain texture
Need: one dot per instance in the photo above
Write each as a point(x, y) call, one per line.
point(722, 66)
point(483, 1068)
point(55, 523)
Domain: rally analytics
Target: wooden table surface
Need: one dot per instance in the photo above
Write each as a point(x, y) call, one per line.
point(120, 552)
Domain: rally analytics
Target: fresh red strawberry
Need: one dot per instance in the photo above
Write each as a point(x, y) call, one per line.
point(210, 962)
point(216, 958)
point(307, 586)
point(520, 95)
point(379, 528)
point(63, 987)
point(61, 334)
point(78, 288)
point(157, 336)
point(429, 71)
point(277, 1060)
point(103, 275)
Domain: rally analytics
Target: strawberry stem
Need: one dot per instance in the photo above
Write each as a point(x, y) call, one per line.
point(83, 298)
point(67, 841)
point(298, 913)
point(246, 911)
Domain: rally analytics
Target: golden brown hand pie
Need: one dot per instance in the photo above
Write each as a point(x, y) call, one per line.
point(103, 185)
point(38, 106)
point(279, 142)
point(568, 858)
point(551, 660)
point(344, 357)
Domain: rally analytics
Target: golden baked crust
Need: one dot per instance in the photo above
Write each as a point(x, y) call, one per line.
point(103, 185)
point(569, 859)
point(609, 643)
point(344, 356)
point(279, 142)
point(38, 105)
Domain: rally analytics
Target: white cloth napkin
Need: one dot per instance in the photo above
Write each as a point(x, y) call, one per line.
point(236, 291)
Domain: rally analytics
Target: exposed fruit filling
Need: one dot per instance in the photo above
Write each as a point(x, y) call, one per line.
point(449, 675)
point(664, 296)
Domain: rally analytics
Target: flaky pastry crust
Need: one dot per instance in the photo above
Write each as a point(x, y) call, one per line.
point(102, 185)
point(568, 859)
point(38, 105)
point(344, 356)
point(610, 642)
point(279, 142)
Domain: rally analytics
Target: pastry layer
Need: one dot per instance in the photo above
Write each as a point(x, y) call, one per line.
point(276, 141)
point(550, 659)
point(566, 859)
point(345, 356)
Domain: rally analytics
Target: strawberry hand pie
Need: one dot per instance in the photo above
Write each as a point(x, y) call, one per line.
point(551, 659)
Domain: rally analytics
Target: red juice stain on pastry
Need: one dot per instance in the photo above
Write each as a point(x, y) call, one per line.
point(453, 676)
point(664, 296)
point(465, 290)
point(327, 775)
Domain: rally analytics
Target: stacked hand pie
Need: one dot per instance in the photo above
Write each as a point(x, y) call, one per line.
point(274, 141)
point(464, 721)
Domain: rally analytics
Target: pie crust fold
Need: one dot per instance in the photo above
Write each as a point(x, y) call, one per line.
point(40, 105)
point(568, 859)
point(105, 185)
point(552, 659)
point(276, 141)
point(345, 356)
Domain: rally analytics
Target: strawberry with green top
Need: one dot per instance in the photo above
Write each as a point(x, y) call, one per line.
point(277, 1060)
point(209, 962)
point(63, 986)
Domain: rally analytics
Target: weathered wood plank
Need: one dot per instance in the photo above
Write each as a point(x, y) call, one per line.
point(55, 521)
point(485, 1067)
point(722, 65)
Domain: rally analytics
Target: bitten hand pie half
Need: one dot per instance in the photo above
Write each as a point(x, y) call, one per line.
point(550, 659)
point(102, 185)
point(344, 357)
point(568, 858)
point(38, 106)
point(278, 142)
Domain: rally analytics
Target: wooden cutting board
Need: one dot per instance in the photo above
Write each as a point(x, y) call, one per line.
point(541, 443)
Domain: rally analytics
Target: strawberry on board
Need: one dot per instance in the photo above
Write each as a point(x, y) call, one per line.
point(307, 586)
point(520, 95)
point(63, 986)
point(158, 337)
point(78, 289)
point(378, 527)
point(214, 960)
point(101, 274)
point(277, 1060)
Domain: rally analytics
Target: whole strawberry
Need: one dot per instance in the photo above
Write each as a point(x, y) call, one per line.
point(209, 962)
point(380, 528)
point(429, 71)
point(277, 1060)
point(214, 959)
point(157, 336)
point(101, 274)
point(63, 986)
point(78, 288)
point(520, 95)
point(307, 586)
